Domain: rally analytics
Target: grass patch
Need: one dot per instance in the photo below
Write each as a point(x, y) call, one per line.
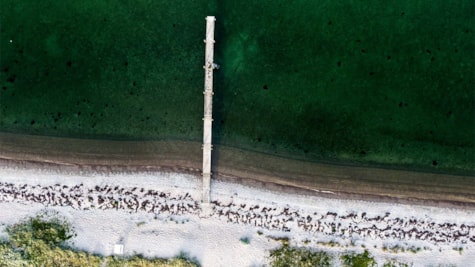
point(283, 240)
point(329, 243)
point(47, 227)
point(358, 260)
point(294, 256)
point(394, 263)
point(42, 240)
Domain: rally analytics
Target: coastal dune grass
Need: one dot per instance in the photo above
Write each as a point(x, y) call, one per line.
point(287, 255)
point(45, 240)
point(42, 241)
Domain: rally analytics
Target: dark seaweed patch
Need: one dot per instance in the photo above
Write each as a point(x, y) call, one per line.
point(402, 104)
point(11, 79)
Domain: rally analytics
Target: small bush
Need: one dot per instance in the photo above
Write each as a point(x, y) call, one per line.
point(245, 240)
point(49, 228)
point(185, 257)
point(358, 260)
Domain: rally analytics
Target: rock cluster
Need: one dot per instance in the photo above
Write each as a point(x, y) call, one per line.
point(346, 225)
point(101, 197)
point(263, 215)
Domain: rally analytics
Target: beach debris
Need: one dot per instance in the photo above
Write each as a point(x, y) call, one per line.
point(118, 249)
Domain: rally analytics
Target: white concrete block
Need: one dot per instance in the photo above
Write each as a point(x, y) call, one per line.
point(118, 249)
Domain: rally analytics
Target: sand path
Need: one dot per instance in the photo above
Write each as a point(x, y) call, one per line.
point(236, 165)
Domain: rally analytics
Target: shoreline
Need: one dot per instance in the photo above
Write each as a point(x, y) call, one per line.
point(143, 211)
point(240, 167)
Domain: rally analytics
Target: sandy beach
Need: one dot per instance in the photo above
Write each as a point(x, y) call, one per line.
point(159, 214)
point(145, 197)
point(244, 167)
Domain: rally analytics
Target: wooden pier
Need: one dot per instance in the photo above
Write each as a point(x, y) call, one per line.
point(208, 108)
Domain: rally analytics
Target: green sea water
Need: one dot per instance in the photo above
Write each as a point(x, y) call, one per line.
point(377, 82)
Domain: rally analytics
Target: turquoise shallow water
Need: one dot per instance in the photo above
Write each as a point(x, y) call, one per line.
point(387, 83)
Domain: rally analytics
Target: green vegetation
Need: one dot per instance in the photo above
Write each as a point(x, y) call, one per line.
point(293, 256)
point(330, 243)
point(245, 240)
point(358, 260)
point(143, 262)
point(186, 258)
point(394, 263)
point(46, 227)
point(287, 255)
point(459, 249)
point(42, 241)
point(372, 82)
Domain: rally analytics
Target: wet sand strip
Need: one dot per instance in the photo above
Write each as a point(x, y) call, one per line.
point(238, 166)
